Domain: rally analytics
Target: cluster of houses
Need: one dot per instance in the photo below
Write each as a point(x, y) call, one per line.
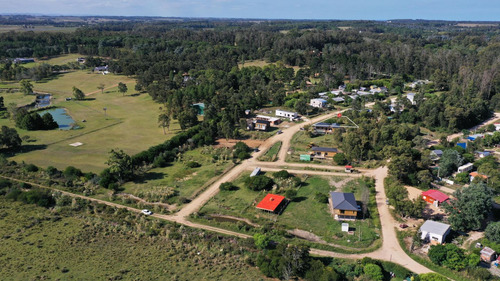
point(341, 95)
point(263, 122)
point(466, 168)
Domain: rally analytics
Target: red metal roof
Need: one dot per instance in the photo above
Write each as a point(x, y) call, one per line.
point(348, 167)
point(436, 195)
point(270, 202)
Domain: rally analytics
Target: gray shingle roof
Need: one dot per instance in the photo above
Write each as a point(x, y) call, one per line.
point(435, 227)
point(343, 201)
point(323, 149)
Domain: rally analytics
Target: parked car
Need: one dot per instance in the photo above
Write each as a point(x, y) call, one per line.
point(403, 225)
point(147, 212)
point(279, 132)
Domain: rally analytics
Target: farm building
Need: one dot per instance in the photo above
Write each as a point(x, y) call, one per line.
point(434, 232)
point(101, 68)
point(262, 125)
point(24, 60)
point(319, 103)
point(325, 128)
point(487, 254)
point(323, 152)
point(287, 114)
point(343, 206)
point(465, 168)
point(272, 203)
point(434, 197)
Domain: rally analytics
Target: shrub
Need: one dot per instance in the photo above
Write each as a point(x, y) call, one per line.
point(258, 183)
point(283, 174)
point(31, 168)
point(193, 164)
point(321, 198)
point(492, 232)
point(373, 271)
point(228, 186)
point(72, 172)
point(340, 159)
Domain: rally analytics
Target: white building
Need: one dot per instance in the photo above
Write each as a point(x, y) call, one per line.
point(287, 114)
point(434, 231)
point(336, 92)
point(497, 126)
point(465, 168)
point(319, 103)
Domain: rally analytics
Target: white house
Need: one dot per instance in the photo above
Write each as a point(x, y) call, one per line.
point(497, 126)
point(287, 114)
point(434, 231)
point(465, 168)
point(319, 103)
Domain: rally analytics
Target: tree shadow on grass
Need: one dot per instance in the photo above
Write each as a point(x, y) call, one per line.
point(24, 149)
point(299, 199)
point(150, 176)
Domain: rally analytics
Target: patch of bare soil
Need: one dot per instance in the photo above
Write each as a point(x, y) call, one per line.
point(232, 142)
point(247, 221)
point(138, 199)
point(340, 184)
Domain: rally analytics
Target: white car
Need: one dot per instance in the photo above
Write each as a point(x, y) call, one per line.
point(147, 212)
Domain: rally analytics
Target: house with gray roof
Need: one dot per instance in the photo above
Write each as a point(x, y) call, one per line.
point(434, 232)
point(343, 206)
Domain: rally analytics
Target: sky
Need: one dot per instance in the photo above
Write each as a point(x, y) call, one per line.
point(463, 10)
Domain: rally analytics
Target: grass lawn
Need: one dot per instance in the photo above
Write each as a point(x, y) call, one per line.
point(272, 153)
point(300, 142)
point(186, 182)
point(305, 212)
point(17, 97)
point(58, 60)
point(43, 244)
point(130, 124)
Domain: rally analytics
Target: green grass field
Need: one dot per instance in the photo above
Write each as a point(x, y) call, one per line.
point(272, 153)
point(38, 28)
point(130, 123)
point(61, 244)
point(59, 60)
point(305, 212)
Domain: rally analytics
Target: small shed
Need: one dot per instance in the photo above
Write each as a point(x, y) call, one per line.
point(345, 227)
point(348, 169)
point(305, 157)
point(488, 254)
point(434, 231)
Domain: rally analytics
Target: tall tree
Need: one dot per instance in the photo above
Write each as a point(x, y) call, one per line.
point(78, 94)
point(2, 105)
point(101, 87)
point(26, 87)
point(120, 164)
point(164, 121)
point(9, 138)
point(122, 88)
point(470, 207)
point(449, 162)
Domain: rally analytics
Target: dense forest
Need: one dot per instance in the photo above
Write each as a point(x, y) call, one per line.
point(188, 61)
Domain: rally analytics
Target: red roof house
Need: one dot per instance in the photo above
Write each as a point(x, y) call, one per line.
point(271, 203)
point(434, 197)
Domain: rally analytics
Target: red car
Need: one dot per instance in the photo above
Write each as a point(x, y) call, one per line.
point(403, 225)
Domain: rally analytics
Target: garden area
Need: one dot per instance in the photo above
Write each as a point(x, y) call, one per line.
point(271, 154)
point(307, 210)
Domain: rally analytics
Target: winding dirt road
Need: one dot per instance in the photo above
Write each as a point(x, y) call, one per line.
point(390, 249)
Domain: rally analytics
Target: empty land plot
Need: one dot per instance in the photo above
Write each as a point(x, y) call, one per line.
point(272, 153)
point(183, 181)
point(39, 243)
